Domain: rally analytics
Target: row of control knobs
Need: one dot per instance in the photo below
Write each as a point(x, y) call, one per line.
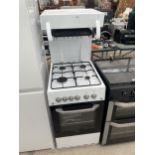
point(77, 98)
point(132, 93)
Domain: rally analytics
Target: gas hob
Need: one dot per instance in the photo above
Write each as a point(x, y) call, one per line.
point(74, 82)
point(67, 75)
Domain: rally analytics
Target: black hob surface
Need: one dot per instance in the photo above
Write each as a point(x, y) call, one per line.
point(119, 77)
point(118, 71)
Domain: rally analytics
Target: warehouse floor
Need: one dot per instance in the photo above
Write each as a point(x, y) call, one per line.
point(116, 149)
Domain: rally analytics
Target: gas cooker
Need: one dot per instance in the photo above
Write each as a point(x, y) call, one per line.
point(74, 82)
point(69, 33)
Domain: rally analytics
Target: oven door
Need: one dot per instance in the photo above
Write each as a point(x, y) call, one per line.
point(120, 110)
point(115, 132)
point(77, 119)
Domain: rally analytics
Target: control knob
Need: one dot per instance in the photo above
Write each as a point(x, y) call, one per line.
point(64, 99)
point(77, 97)
point(133, 93)
point(58, 99)
point(86, 97)
point(124, 93)
point(70, 98)
point(93, 96)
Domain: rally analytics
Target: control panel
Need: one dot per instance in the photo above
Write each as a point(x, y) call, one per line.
point(75, 98)
point(123, 94)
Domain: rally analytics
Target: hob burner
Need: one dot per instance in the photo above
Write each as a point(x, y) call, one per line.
point(87, 77)
point(62, 68)
point(72, 75)
point(62, 79)
point(82, 66)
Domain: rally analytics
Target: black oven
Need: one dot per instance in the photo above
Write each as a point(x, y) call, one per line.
point(118, 131)
point(120, 110)
point(120, 123)
point(77, 119)
point(119, 78)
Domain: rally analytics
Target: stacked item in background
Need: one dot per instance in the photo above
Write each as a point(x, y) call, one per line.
point(122, 5)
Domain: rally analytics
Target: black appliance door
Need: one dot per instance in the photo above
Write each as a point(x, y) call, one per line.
point(120, 110)
point(118, 132)
point(77, 119)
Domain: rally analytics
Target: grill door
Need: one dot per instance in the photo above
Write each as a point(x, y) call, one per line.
point(118, 132)
point(120, 110)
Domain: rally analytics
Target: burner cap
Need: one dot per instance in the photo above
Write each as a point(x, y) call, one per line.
point(82, 66)
point(87, 77)
point(62, 67)
point(62, 79)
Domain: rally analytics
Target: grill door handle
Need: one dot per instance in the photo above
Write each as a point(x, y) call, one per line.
point(125, 105)
point(117, 125)
point(93, 108)
point(98, 29)
point(48, 30)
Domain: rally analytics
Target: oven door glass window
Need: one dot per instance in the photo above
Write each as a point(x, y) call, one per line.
point(120, 110)
point(77, 119)
point(120, 132)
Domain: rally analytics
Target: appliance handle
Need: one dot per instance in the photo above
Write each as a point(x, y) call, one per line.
point(61, 111)
point(98, 29)
point(125, 105)
point(117, 125)
point(49, 32)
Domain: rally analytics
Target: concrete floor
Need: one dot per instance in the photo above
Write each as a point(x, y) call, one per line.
point(116, 149)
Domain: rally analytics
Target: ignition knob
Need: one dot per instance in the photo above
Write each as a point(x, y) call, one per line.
point(64, 99)
point(133, 93)
point(71, 98)
point(93, 96)
point(58, 99)
point(86, 97)
point(77, 97)
point(124, 93)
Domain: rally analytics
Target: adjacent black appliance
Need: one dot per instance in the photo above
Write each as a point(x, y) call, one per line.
point(119, 77)
point(124, 36)
point(77, 119)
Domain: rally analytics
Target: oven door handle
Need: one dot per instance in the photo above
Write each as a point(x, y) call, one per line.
point(117, 125)
point(93, 108)
point(125, 105)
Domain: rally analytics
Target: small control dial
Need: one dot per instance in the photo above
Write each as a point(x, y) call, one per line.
point(124, 93)
point(77, 97)
point(64, 99)
point(71, 98)
point(86, 97)
point(133, 93)
point(58, 99)
point(93, 96)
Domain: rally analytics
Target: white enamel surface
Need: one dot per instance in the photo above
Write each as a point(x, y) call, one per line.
point(32, 64)
point(99, 90)
point(34, 124)
point(66, 49)
point(71, 141)
point(71, 18)
point(74, 74)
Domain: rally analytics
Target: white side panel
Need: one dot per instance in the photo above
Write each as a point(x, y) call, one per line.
point(35, 132)
point(78, 140)
point(70, 49)
point(31, 59)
